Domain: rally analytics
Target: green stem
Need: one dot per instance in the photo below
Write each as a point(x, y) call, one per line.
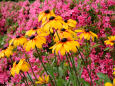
point(45, 68)
point(32, 69)
point(73, 65)
point(69, 63)
point(25, 78)
point(56, 62)
point(85, 66)
point(31, 79)
point(57, 35)
point(22, 78)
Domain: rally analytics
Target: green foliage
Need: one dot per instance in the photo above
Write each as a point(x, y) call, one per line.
point(2, 40)
point(103, 77)
point(93, 15)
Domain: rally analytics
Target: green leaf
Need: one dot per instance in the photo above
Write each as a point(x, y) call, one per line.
point(96, 45)
point(84, 82)
point(104, 77)
point(60, 82)
point(106, 49)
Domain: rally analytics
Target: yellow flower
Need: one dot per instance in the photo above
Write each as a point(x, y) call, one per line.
point(67, 33)
point(66, 64)
point(40, 32)
point(113, 71)
point(18, 66)
point(65, 45)
point(19, 40)
point(110, 84)
point(23, 65)
point(32, 31)
point(54, 22)
point(6, 51)
point(45, 15)
point(36, 30)
point(43, 80)
point(33, 41)
point(15, 69)
point(70, 23)
point(86, 34)
point(111, 40)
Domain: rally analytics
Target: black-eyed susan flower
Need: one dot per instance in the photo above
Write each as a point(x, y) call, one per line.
point(18, 66)
point(65, 45)
point(67, 33)
point(43, 80)
point(32, 31)
point(110, 41)
point(86, 34)
point(15, 69)
point(45, 15)
point(19, 40)
point(70, 23)
point(54, 22)
point(23, 65)
point(6, 52)
point(34, 41)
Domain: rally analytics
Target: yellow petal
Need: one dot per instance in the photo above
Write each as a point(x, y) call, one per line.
point(62, 51)
point(108, 84)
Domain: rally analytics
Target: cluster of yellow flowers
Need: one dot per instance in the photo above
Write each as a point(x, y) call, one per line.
point(65, 39)
point(64, 36)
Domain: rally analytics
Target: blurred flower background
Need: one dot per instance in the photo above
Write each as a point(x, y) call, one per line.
point(57, 42)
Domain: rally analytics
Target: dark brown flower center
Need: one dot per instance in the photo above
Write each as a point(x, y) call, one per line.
point(4, 48)
point(18, 36)
point(64, 40)
point(65, 21)
point(32, 37)
point(51, 18)
point(63, 29)
point(17, 62)
point(34, 28)
point(86, 30)
point(47, 11)
point(113, 41)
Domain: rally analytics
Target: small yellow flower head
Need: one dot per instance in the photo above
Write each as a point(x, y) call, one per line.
point(19, 40)
point(45, 15)
point(54, 22)
point(6, 51)
point(67, 33)
point(18, 66)
point(43, 80)
point(32, 31)
point(86, 34)
point(66, 64)
point(34, 41)
point(113, 71)
point(110, 84)
point(65, 45)
point(70, 23)
point(110, 41)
